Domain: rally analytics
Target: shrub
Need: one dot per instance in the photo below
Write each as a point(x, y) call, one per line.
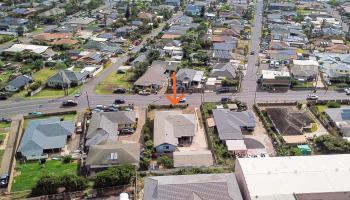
point(67, 159)
point(114, 176)
point(165, 161)
point(333, 104)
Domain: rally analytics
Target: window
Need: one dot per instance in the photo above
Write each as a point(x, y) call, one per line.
point(165, 147)
point(114, 156)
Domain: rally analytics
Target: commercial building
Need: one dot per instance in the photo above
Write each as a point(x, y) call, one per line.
point(321, 177)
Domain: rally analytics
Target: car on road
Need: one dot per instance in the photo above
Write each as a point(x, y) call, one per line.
point(130, 47)
point(225, 99)
point(35, 113)
point(119, 101)
point(312, 97)
point(78, 94)
point(347, 91)
point(119, 91)
point(126, 130)
point(223, 90)
point(3, 97)
point(4, 180)
point(69, 103)
point(252, 53)
point(144, 92)
point(183, 100)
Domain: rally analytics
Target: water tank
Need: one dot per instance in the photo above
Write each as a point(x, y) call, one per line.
point(124, 196)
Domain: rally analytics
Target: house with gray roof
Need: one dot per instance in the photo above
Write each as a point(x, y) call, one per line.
point(101, 157)
point(45, 136)
point(154, 78)
point(192, 187)
point(173, 129)
point(231, 123)
point(224, 70)
point(66, 78)
point(289, 122)
point(18, 83)
point(186, 78)
point(104, 127)
point(107, 47)
point(340, 118)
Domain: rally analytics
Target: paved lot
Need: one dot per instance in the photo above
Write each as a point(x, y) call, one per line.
point(136, 136)
point(259, 139)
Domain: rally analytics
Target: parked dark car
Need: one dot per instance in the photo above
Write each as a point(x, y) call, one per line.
point(119, 101)
point(2, 97)
point(69, 103)
point(7, 120)
point(225, 100)
point(223, 90)
point(4, 180)
point(110, 109)
point(126, 130)
point(119, 91)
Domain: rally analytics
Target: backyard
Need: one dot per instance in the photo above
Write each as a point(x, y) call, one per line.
point(66, 117)
point(113, 81)
point(27, 174)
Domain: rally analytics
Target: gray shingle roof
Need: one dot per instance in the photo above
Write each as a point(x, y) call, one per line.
point(171, 125)
point(227, 70)
point(154, 75)
point(103, 127)
point(288, 122)
point(66, 76)
point(20, 81)
point(230, 123)
point(100, 155)
point(45, 134)
point(192, 187)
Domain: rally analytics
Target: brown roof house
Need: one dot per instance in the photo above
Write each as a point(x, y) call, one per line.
point(289, 122)
point(338, 48)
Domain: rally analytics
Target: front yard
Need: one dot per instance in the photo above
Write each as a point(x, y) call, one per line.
point(113, 81)
point(27, 174)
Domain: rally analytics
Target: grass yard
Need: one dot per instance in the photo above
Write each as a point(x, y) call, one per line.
point(113, 81)
point(30, 172)
point(66, 117)
point(2, 137)
point(5, 125)
point(44, 74)
point(321, 108)
point(54, 93)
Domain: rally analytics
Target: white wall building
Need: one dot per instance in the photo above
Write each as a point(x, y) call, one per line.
point(322, 177)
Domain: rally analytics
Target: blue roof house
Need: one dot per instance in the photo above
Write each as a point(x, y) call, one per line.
point(45, 136)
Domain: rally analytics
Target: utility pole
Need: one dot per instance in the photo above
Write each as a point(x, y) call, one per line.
point(88, 101)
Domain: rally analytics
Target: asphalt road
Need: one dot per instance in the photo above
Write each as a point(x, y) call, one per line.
point(247, 94)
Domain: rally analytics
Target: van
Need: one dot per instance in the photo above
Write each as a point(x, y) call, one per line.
point(79, 128)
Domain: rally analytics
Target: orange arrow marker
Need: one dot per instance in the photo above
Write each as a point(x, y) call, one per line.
point(174, 99)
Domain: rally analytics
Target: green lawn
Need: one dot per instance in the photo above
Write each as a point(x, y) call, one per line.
point(321, 108)
point(1, 154)
point(66, 117)
point(30, 173)
point(54, 93)
point(113, 81)
point(303, 85)
point(2, 137)
point(44, 74)
point(4, 125)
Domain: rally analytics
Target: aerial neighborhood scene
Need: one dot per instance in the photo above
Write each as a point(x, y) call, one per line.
point(175, 99)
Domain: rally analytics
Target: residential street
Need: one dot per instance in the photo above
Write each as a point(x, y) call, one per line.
point(247, 94)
